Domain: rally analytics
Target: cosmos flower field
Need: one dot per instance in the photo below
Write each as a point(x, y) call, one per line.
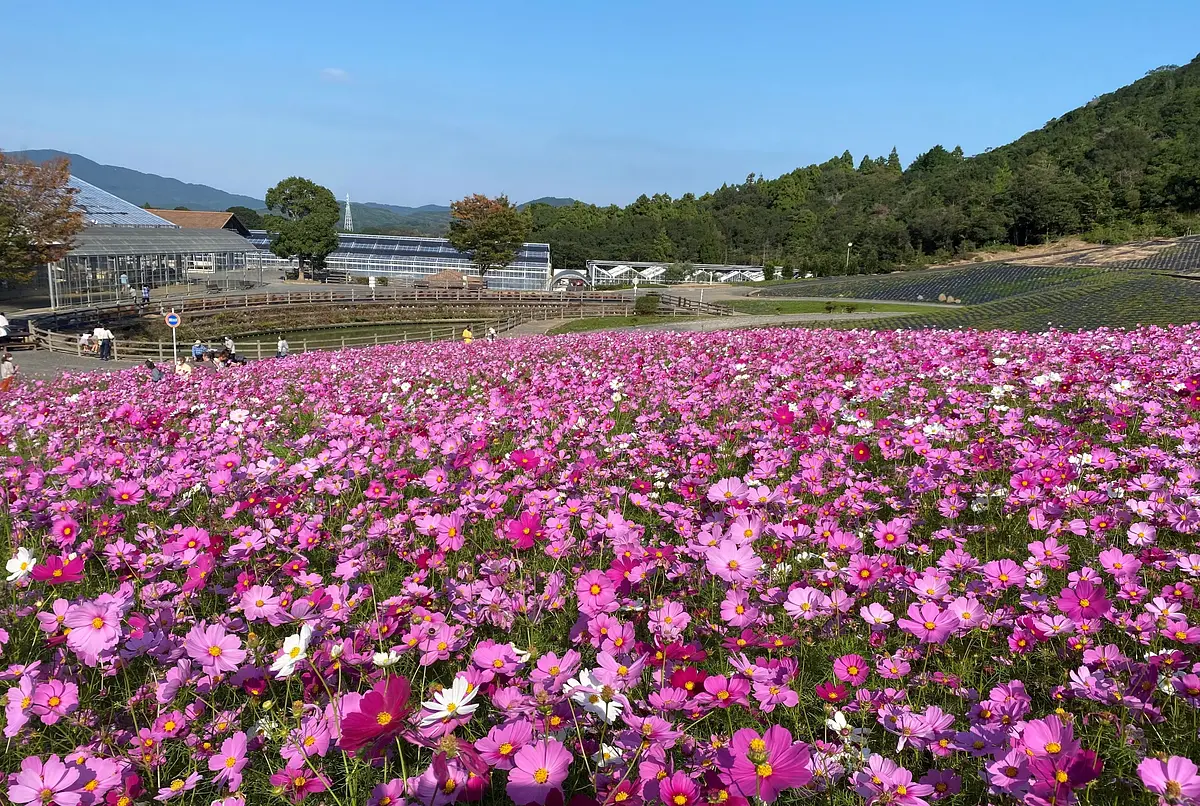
point(758, 566)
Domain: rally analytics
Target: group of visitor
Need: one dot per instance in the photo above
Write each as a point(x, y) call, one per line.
point(219, 357)
point(98, 343)
point(468, 336)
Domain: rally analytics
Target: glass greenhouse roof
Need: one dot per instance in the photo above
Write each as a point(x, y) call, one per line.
point(103, 209)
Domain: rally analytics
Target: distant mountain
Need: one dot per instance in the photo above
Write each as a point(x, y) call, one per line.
point(553, 201)
point(141, 188)
point(164, 192)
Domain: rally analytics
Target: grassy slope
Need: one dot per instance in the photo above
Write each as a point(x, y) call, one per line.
point(769, 307)
point(591, 323)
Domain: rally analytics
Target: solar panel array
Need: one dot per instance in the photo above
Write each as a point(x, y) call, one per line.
point(103, 209)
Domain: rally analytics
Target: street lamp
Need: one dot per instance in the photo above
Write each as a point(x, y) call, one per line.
point(848, 256)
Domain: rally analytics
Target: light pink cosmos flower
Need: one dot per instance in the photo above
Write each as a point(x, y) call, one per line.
point(214, 649)
point(732, 562)
point(95, 629)
point(51, 783)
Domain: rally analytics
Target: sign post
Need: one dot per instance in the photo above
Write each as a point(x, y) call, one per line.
point(172, 319)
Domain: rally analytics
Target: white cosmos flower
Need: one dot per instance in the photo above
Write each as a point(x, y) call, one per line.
point(606, 755)
point(385, 659)
point(295, 649)
point(451, 703)
point(20, 565)
point(594, 696)
point(842, 727)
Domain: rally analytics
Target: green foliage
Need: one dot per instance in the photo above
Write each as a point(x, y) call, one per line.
point(304, 218)
point(491, 231)
point(251, 219)
point(646, 305)
point(1126, 163)
point(768, 272)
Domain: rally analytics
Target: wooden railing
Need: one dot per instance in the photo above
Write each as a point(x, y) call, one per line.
point(407, 297)
point(529, 306)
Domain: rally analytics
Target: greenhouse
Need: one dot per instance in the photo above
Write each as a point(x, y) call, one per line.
point(410, 258)
point(124, 248)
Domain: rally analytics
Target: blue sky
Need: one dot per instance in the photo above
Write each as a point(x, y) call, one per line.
point(416, 103)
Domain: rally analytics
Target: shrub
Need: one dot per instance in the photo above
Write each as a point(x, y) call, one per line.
point(647, 305)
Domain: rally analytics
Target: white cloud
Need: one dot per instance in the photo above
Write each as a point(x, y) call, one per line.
point(335, 75)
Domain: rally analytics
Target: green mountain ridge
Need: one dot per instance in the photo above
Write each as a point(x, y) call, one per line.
point(1125, 165)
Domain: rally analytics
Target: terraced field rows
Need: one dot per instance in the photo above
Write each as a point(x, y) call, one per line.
point(1108, 299)
point(973, 285)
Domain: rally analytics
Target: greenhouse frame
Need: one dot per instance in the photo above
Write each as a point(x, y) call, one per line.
point(409, 259)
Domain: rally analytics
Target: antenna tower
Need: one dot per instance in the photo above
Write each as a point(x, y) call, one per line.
point(349, 226)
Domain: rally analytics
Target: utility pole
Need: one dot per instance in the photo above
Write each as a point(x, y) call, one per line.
point(848, 256)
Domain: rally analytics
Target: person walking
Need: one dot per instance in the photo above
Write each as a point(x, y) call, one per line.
point(491, 334)
point(467, 336)
point(3, 327)
point(8, 372)
point(145, 295)
point(229, 345)
point(281, 347)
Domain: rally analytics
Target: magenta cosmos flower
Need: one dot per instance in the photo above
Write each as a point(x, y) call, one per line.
point(763, 766)
point(1083, 600)
point(46, 783)
point(214, 649)
point(228, 763)
point(1175, 780)
point(380, 715)
point(538, 770)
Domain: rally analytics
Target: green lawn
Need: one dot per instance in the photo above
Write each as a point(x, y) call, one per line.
point(588, 324)
point(768, 307)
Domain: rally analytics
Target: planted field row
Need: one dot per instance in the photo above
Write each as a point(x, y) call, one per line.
point(1112, 299)
point(974, 285)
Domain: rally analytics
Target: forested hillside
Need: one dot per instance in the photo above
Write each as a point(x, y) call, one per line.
point(1126, 164)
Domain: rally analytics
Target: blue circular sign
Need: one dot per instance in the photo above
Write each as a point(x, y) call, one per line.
point(172, 319)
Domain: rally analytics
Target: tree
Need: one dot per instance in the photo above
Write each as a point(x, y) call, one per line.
point(183, 208)
point(490, 231)
point(250, 218)
point(303, 215)
point(38, 218)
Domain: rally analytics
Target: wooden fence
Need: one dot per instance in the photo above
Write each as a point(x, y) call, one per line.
point(524, 307)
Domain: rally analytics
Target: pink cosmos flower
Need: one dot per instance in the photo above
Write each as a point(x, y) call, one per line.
point(502, 743)
point(596, 593)
point(928, 623)
point(1175, 780)
point(214, 649)
point(852, 669)
point(54, 699)
point(299, 781)
point(127, 493)
point(95, 628)
point(678, 790)
point(763, 766)
point(51, 782)
point(230, 761)
point(732, 562)
point(538, 769)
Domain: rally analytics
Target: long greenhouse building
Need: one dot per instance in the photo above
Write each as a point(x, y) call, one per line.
point(408, 259)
